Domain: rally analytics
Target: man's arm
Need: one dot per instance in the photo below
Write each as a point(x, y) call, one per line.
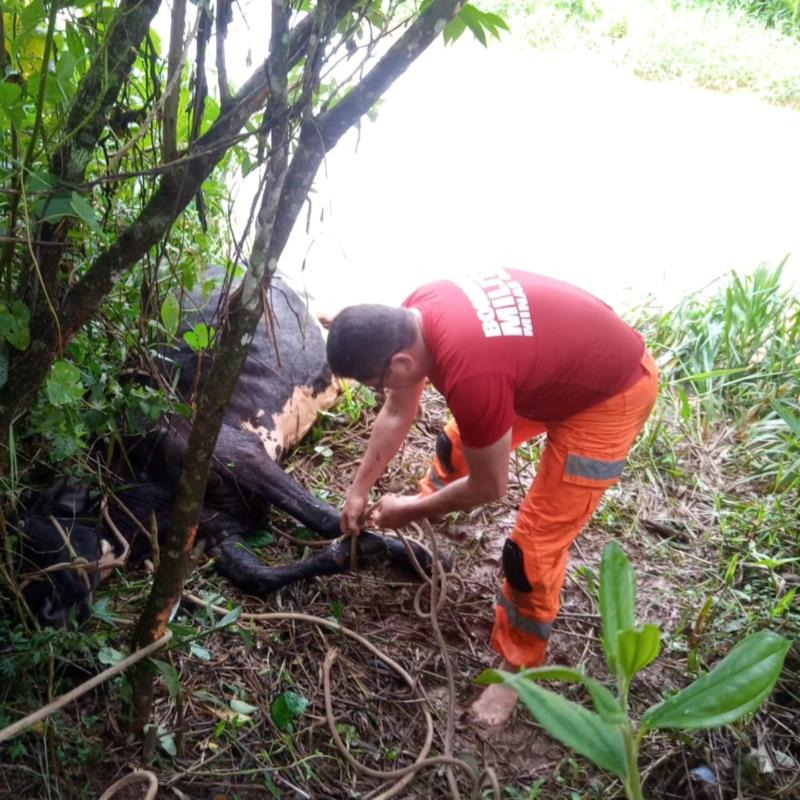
point(487, 481)
point(388, 433)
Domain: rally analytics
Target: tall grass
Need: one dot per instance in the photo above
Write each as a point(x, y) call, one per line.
point(734, 354)
point(724, 445)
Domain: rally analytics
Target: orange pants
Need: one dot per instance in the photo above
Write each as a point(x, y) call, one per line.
point(583, 456)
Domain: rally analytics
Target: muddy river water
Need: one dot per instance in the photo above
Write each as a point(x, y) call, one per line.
point(557, 163)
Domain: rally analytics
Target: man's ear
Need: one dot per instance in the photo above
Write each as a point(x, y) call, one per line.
point(402, 362)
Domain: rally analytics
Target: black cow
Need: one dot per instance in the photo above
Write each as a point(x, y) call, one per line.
point(283, 384)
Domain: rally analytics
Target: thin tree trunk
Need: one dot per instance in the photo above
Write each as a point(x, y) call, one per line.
point(243, 315)
point(279, 209)
point(169, 146)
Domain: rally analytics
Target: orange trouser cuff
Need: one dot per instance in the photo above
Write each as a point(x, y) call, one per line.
point(515, 640)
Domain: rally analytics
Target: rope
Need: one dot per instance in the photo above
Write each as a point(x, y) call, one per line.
point(138, 775)
point(438, 582)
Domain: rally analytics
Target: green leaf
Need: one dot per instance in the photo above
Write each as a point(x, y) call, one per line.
point(260, 538)
point(109, 656)
point(42, 181)
point(66, 66)
point(286, 708)
point(64, 384)
point(20, 334)
point(636, 648)
point(10, 95)
point(617, 599)
point(184, 410)
point(84, 210)
point(55, 207)
point(170, 676)
point(14, 324)
point(240, 707)
point(171, 314)
point(473, 19)
point(735, 687)
point(496, 22)
point(786, 415)
point(271, 785)
point(453, 29)
point(200, 337)
point(228, 619)
point(75, 42)
point(101, 608)
point(571, 723)
point(604, 701)
point(337, 610)
point(200, 652)
point(166, 741)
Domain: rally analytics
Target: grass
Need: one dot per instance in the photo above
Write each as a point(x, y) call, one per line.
point(725, 445)
point(703, 44)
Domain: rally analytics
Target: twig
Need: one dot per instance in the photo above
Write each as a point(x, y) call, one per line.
point(80, 564)
point(121, 559)
point(76, 560)
point(115, 160)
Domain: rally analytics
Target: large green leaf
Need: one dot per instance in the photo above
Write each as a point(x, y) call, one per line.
point(636, 648)
point(571, 723)
point(604, 701)
point(286, 708)
point(64, 384)
point(171, 314)
point(617, 600)
point(14, 324)
point(736, 686)
point(20, 335)
point(84, 210)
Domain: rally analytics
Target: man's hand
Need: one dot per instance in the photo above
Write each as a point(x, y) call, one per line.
point(394, 511)
point(353, 514)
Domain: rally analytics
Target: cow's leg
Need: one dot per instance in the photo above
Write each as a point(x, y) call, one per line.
point(239, 456)
point(246, 571)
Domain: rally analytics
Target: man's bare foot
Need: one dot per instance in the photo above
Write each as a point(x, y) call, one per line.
point(495, 705)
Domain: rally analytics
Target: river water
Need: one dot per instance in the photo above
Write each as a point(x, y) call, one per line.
point(556, 163)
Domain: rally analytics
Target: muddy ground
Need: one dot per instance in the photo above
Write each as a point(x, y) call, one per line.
point(668, 532)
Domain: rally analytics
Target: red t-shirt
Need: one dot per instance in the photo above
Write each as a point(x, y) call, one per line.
point(508, 343)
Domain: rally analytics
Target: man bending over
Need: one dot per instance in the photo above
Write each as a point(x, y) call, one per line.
point(515, 355)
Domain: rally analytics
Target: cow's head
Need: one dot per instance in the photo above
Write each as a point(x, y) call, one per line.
point(59, 529)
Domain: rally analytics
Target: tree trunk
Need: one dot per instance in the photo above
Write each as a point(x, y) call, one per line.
point(244, 311)
point(279, 209)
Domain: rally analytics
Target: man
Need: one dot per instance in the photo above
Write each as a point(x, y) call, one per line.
point(515, 355)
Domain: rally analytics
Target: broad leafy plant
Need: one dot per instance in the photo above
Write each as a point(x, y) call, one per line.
point(608, 736)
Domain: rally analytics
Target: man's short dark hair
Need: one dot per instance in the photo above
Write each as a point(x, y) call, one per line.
point(363, 338)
